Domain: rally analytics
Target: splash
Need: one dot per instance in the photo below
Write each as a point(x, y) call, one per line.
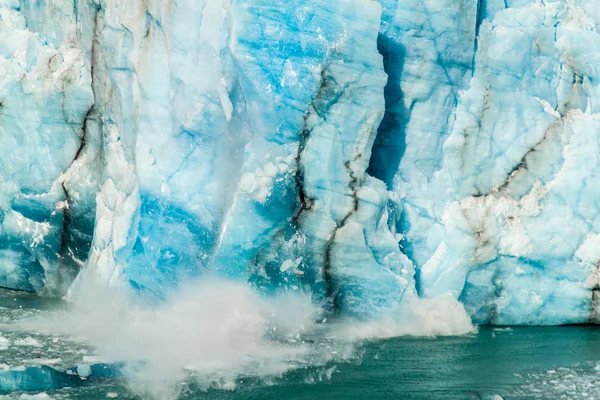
point(440, 316)
point(213, 332)
point(216, 332)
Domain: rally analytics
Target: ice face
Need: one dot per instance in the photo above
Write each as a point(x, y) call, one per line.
point(366, 153)
point(513, 213)
point(45, 96)
point(332, 100)
point(241, 148)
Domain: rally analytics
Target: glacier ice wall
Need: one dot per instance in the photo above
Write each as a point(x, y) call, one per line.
point(505, 219)
point(236, 140)
point(46, 180)
point(367, 153)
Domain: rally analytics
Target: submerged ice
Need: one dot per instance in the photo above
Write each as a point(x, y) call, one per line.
point(374, 156)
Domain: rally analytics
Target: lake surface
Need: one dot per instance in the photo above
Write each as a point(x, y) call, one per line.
point(519, 363)
point(515, 363)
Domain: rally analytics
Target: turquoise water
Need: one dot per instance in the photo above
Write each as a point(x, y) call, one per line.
point(491, 362)
point(515, 363)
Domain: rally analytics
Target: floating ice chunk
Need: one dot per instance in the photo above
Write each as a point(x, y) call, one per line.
point(44, 361)
point(28, 341)
point(84, 370)
point(39, 396)
point(35, 379)
point(287, 264)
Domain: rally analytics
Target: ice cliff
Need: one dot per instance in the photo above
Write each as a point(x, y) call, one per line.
point(367, 153)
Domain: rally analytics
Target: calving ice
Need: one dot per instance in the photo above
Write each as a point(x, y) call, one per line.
point(378, 158)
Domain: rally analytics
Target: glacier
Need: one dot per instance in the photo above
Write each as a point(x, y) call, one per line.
point(369, 154)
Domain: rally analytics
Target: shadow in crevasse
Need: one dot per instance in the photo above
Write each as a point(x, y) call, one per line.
point(390, 143)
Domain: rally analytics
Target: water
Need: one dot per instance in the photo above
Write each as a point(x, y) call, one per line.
point(471, 367)
point(516, 363)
